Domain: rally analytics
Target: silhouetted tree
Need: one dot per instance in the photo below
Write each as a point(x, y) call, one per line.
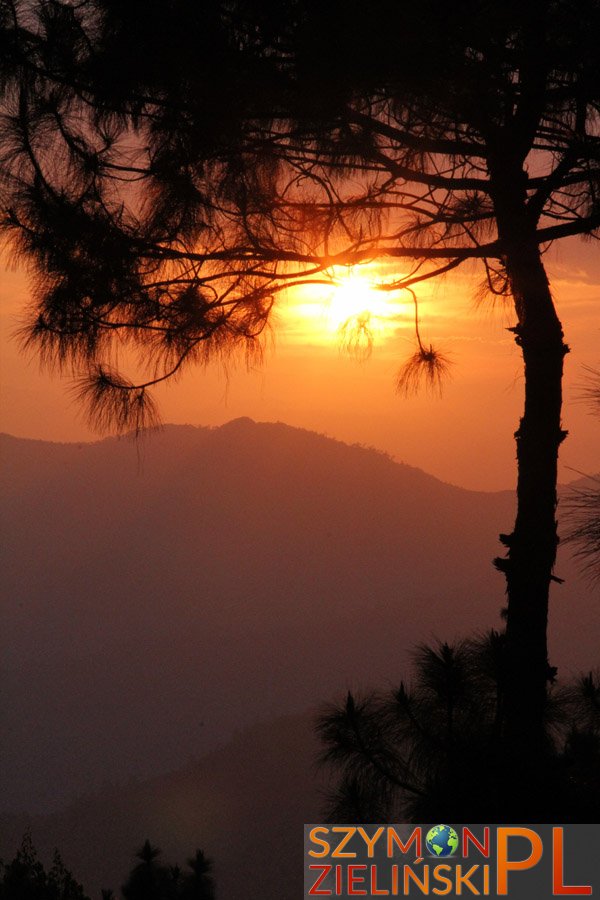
point(169, 168)
point(149, 880)
point(583, 506)
point(583, 502)
point(198, 884)
point(435, 749)
point(26, 879)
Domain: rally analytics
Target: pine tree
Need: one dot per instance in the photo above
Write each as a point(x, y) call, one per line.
point(169, 169)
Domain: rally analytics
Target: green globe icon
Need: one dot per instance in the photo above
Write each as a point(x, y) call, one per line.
point(441, 840)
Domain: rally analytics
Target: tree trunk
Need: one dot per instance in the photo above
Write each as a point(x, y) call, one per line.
point(532, 545)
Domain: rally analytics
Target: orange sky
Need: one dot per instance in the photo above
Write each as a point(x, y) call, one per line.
point(465, 438)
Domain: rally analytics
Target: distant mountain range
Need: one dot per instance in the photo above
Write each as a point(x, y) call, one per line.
point(161, 595)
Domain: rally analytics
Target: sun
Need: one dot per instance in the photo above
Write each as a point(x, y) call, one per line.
point(354, 298)
point(350, 308)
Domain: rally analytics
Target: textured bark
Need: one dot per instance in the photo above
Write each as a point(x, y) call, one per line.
point(531, 546)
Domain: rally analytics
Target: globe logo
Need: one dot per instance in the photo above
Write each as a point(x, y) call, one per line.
point(441, 840)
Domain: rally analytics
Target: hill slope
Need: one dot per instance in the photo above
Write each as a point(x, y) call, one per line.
point(158, 598)
point(244, 805)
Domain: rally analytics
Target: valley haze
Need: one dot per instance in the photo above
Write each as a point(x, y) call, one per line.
point(168, 601)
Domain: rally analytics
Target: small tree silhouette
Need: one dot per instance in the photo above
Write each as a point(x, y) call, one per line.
point(61, 882)
point(149, 880)
point(436, 749)
point(582, 746)
point(198, 884)
point(26, 879)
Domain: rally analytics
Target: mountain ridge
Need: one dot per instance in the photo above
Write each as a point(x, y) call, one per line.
point(239, 422)
point(147, 435)
point(238, 572)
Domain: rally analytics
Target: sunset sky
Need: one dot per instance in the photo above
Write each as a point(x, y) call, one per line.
point(307, 380)
point(299, 307)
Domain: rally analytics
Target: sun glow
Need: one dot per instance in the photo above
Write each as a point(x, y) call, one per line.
point(355, 299)
point(351, 309)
